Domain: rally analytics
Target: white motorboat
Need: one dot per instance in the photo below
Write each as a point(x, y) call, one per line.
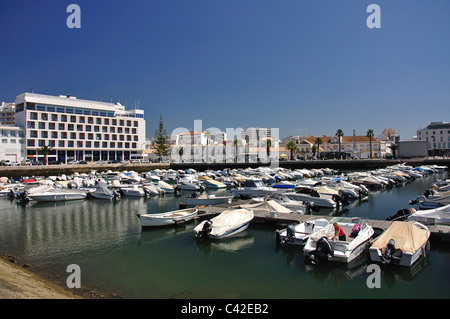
point(401, 244)
point(228, 223)
point(57, 195)
point(152, 189)
point(255, 187)
point(166, 187)
point(440, 215)
point(320, 247)
point(294, 205)
point(189, 186)
point(213, 184)
point(103, 192)
point(432, 201)
point(319, 200)
point(168, 218)
point(206, 199)
point(133, 191)
point(299, 234)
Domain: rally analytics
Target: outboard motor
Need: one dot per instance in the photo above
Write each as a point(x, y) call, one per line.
point(117, 195)
point(290, 234)
point(206, 230)
point(323, 251)
point(386, 258)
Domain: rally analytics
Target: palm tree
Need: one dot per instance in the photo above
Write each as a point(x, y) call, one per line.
point(370, 135)
point(393, 148)
point(291, 146)
point(268, 146)
point(318, 141)
point(181, 152)
point(208, 137)
point(313, 149)
point(339, 134)
point(236, 144)
point(44, 150)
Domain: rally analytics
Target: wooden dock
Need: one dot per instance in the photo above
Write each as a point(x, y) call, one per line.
point(438, 232)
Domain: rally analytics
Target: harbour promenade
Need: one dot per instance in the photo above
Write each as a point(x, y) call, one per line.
point(50, 170)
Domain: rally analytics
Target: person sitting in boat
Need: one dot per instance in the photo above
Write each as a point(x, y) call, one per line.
point(338, 232)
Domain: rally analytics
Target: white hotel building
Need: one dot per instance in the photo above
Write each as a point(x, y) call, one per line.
point(78, 129)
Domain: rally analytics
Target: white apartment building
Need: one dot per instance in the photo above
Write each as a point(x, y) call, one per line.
point(7, 114)
point(78, 129)
point(254, 135)
point(12, 143)
point(437, 135)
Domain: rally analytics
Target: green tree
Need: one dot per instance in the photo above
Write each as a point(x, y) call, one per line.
point(161, 144)
point(292, 146)
point(318, 141)
point(208, 137)
point(181, 152)
point(339, 134)
point(236, 143)
point(393, 148)
point(370, 135)
point(44, 150)
point(268, 144)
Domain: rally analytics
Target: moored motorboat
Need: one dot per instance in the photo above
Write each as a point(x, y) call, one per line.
point(133, 191)
point(207, 199)
point(166, 187)
point(439, 215)
point(255, 187)
point(228, 223)
point(168, 218)
point(321, 247)
point(103, 192)
point(299, 234)
point(57, 194)
point(401, 244)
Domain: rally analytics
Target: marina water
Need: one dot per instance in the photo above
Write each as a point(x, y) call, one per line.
point(116, 258)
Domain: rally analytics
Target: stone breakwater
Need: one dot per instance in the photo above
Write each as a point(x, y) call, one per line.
point(49, 170)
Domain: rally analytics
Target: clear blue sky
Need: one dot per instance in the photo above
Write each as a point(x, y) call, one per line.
point(305, 67)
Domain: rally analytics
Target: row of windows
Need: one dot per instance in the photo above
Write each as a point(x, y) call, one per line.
point(63, 109)
point(433, 132)
point(83, 136)
point(438, 145)
point(54, 117)
point(70, 110)
point(80, 144)
point(6, 133)
point(79, 127)
point(11, 141)
point(440, 139)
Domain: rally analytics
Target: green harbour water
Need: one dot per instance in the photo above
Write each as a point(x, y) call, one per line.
point(118, 259)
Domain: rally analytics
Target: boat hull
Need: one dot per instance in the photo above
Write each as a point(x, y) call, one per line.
point(209, 200)
point(167, 219)
point(407, 259)
point(56, 197)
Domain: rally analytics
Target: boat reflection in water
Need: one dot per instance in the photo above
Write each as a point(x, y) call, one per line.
point(231, 244)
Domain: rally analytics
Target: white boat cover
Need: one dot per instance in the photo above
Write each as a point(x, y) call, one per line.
point(103, 190)
point(326, 190)
point(270, 206)
point(230, 219)
point(408, 237)
point(327, 231)
point(163, 184)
